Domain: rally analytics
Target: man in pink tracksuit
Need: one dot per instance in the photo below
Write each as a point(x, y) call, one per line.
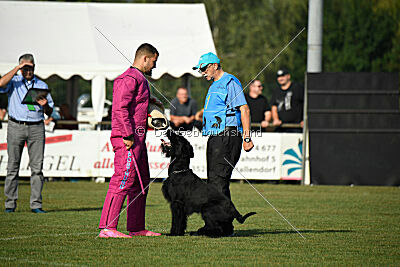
point(131, 177)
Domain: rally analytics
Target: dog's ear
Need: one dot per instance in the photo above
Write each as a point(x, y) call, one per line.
point(188, 150)
point(170, 134)
point(191, 153)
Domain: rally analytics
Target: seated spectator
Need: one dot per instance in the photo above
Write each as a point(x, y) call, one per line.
point(287, 102)
point(65, 115)
point(199, 115)
point(260, 110)
point(107, 119)
point(183, 111)
point(50, 122)
point(3, 108)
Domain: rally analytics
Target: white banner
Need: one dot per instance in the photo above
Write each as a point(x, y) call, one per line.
point(89, 154)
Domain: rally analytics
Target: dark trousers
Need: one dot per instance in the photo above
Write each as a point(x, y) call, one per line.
point(223, 152)
point(34, 137)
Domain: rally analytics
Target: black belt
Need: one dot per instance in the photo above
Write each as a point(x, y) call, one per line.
point(25, 122)
point(230, 131)
point(231, 128)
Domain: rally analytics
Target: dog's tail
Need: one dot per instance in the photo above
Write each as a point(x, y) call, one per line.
point(241, 218)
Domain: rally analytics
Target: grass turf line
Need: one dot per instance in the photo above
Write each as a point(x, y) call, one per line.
point(343, 225)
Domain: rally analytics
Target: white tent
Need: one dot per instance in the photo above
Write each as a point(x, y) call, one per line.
point(78, 38)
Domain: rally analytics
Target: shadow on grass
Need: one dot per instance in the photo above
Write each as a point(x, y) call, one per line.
point(20, 183)
point(75, 209)
point(257, 232)
point(84, 209)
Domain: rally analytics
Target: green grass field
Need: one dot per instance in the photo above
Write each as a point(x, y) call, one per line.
point(342, 226)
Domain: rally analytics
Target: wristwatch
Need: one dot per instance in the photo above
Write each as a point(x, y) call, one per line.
point(247, 139)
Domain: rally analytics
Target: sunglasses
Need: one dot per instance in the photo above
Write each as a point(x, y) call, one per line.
point(277, 76)
point(203, 69)
point(28, 68)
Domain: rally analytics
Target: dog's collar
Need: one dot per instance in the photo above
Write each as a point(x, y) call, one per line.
point(175, 172)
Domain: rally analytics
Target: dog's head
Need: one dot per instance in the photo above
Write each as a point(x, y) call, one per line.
point(178, 147)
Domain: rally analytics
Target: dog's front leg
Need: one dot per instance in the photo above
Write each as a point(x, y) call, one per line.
point(179, 218)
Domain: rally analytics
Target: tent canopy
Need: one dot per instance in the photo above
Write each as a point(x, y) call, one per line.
point(84, 38)
point(64, 39)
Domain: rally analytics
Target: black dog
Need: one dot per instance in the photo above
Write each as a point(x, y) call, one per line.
point(187, 194)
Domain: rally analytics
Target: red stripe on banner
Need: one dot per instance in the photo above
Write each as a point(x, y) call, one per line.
point(59, 139)
point(3, 146)
point(49, 140)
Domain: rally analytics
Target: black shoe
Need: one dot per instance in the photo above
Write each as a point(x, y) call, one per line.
point(194, 233)
point(9, 210)
point(38, 210)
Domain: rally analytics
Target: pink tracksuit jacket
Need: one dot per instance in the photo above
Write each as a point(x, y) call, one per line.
point(129, 117)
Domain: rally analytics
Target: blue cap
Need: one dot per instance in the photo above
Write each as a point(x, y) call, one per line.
point(207, 59)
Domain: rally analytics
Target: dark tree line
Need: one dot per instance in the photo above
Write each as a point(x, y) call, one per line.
point(358, 35)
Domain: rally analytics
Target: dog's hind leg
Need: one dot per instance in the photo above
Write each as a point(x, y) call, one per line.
point(227, 228)
point(179, 218)
point(212, 228)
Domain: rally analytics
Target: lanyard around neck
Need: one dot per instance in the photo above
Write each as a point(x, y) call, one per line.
point(26, 86)
point(30, 107)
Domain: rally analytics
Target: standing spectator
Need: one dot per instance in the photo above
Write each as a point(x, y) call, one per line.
point(226, 118)
point(183, 111)
point(131, 96)
point(25, 125)
point(260, 110)
point(287, 102)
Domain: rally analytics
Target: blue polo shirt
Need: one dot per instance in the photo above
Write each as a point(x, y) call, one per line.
point(17, 89)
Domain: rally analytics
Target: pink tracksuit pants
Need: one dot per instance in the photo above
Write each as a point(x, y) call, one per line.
point(125, 182)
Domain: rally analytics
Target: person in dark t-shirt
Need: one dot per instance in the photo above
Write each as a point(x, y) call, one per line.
point(287, 102)
point(260, 110)
point(183, 111)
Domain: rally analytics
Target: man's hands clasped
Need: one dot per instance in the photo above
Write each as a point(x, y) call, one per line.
point(128, 142)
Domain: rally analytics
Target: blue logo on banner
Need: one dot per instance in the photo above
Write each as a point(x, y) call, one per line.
point(294, 158)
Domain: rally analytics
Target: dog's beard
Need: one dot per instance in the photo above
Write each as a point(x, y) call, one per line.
point(166, 148)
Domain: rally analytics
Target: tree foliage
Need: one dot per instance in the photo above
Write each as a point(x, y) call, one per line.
point(358, 35)
point(361, 36)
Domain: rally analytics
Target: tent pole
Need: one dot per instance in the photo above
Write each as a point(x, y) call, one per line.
point(305, 134)
point(186, 82)
point(72, 94)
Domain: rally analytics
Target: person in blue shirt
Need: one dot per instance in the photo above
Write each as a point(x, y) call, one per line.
point(25, 125)
point(226, 120)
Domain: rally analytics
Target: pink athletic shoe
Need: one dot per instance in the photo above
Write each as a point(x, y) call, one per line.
point(144, 233)
point(105, 233)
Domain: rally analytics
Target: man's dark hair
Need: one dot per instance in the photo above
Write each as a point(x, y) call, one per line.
point(26, 57)
point(147, 50)
point(253, 81)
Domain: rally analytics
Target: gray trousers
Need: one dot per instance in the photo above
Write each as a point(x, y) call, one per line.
point(17, 135)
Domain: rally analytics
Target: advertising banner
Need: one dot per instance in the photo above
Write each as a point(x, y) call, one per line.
point(89, 154)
